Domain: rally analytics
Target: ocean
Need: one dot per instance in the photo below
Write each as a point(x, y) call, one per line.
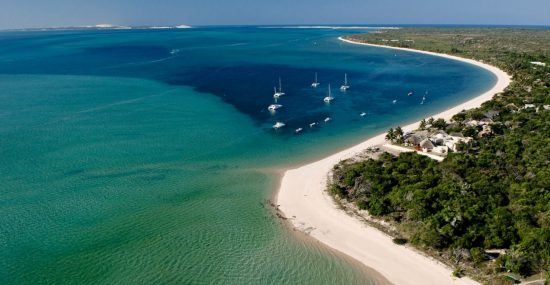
point(149, 157)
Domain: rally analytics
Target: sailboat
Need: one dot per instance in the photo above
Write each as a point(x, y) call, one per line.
point(329, 97)
point(315, 83)
point(345, 86)
point(280, 92)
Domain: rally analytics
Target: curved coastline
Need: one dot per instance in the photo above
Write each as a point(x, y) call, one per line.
point(303, 200)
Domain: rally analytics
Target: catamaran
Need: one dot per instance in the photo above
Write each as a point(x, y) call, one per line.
point(278, 125)
point(315, 83)
point(280, 92)
point(345, 86)
point(274, 107)
point(329, 98)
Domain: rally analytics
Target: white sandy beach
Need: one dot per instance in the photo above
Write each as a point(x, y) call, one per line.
point(303, 200)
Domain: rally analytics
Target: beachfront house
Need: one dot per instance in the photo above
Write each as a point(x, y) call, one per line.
point(454, 139)
point(412, 140)
point(426, 145)
point(438, 142)
point(439, 137)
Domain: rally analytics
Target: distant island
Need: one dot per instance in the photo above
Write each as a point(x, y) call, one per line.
point(102, 27)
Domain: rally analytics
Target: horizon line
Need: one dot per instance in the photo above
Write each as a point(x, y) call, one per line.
point(360, 25)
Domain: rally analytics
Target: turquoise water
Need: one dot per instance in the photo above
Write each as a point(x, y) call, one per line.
point(139, 157)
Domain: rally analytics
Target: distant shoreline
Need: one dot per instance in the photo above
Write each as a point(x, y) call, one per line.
point(303, 200)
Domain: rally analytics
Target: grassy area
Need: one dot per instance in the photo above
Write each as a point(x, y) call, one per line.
point(485, 209)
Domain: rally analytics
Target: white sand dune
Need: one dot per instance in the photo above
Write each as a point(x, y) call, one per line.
point(303, 200)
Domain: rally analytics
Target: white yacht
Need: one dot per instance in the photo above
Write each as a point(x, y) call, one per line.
point(329, 97)
point(278, 125)
point(363, 114)
point(312, 125)
point(315, 83)
point(278, 93)
point(345, 86)
point(327, 119)
point(274, 107)
point(298, 130)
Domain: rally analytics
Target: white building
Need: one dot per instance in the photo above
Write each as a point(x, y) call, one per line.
point(538, 63)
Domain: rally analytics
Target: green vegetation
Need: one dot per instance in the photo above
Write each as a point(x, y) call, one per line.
point(495, 192)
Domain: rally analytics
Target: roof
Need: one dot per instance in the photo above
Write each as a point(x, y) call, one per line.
point(491, 114)
point(413, 139)
point(426, 143)
point(459, 135)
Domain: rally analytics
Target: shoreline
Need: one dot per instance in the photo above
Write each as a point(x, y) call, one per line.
point(302, 199)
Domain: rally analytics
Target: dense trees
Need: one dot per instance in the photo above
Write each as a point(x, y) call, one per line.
point(493, 195)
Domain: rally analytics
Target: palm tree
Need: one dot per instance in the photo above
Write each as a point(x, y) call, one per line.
point(390, 136)
point(398, 134)
point(423, 124)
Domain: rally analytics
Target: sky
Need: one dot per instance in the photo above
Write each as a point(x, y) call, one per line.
point(62, 13)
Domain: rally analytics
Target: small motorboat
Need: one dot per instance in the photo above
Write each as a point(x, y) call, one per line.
point(278, 125)
point(274, 107)
point(298, 130)
point(312, 125)
point(363, 114)
point(327, 119)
